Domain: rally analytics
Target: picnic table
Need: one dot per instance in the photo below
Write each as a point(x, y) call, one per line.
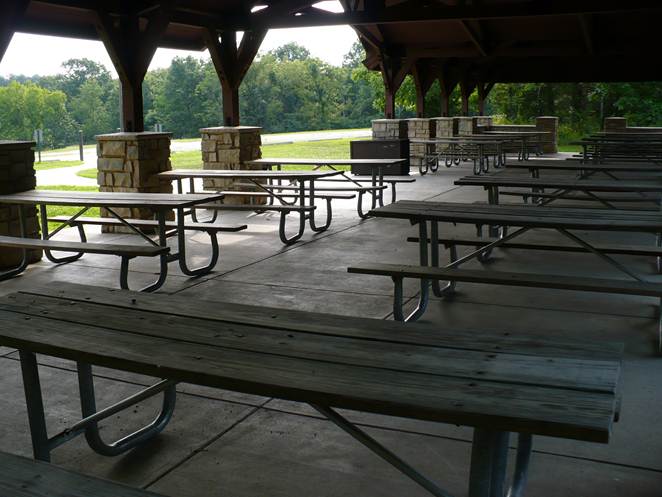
point(453, 149)
point(584, 170)
point(600, 148)
point(287, 202)
point(376, 182)
point(114, 203)
point(564, 221)
point(594, 189)
point(524, 138)
point(492, 382)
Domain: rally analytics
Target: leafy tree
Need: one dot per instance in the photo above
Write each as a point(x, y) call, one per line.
point(290, 52)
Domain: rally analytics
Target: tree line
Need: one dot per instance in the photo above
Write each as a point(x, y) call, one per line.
point(287, 89)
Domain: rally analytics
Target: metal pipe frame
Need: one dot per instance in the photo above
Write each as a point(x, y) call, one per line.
point(424, 294)
point(47, 235)
point(42, 445)
point(22, 266)
point(489, 459)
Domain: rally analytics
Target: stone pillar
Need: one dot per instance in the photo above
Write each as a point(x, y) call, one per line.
point(17, 175)
point(551, 125)
point(229, 147)
point(389, 129)
point(481, 123)
point(419, 129)
point(129, 162)
point(443, 126)
point(615, 125)
point(463, 125)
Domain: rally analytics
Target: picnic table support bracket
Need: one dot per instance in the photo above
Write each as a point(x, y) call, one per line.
point(22, 266)
point(42, 445)
point(449, 289)
point(163, 258)
point(311, 216)
point(424, 295)
point(380, 450)
point(181, 247)
point(47, 235)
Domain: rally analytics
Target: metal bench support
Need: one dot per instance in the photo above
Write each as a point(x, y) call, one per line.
point(42, 445)
point(489, 459)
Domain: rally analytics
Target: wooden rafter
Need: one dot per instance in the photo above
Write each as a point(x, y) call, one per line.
point(475, 35)
point(424, 77)
point(231, 64)
point(10, 12)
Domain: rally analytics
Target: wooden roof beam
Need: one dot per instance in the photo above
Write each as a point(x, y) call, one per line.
point(475, 35)
point(586, 25)
point(10, 12)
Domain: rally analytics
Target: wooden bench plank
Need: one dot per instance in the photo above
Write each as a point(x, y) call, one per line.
point(257, 207)
point(386, 179)
point(333, 325)
point(643, 250)
point(322, 194)
point(87, 247)
point(144, 223)
point(23, 477)
point(343, 188)
point(560, 282)
point(346, 349)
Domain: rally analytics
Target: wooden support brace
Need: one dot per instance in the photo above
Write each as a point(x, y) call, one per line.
point(10, 12)
point(483, 91)
point(231, 64)
point(423, 79)
point(131, 50)
point(467, 87)
point(394, 71)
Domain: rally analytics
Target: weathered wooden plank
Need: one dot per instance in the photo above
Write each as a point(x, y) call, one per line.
point(330, 324)
point(145, 223)
point(587, 184)
point(23, 477)
point(108, 199)
point(299, 161)
point(88, 247)
point(239, 174)
point(561, 282)
point(520, 408)
point(504, 367)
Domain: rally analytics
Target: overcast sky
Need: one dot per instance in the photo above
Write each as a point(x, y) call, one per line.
point(31, 54)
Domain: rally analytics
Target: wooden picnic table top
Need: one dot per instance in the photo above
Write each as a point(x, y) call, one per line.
point(517, 133)
point(562, 183)
point(481, 379)
point(299, 161)
point(463, 138)
point(107, 199)
point(524, 215)
point(245, 174)
point(570, 165)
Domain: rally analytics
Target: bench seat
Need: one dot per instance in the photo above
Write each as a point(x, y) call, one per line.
point(86, 247)
point(615, 249)
point(257, 207)
point(386, 179)
point(323, 189)
point(146, 223)
point(561, 282)
point(23, 477)
point(322, 194)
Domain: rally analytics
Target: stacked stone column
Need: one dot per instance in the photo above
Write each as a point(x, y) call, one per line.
point(615, 124)
point(481, 123)
point(129, 162)
point(463, 125)
point(230, 147)
point(389, 129)
point(550, 124)
point(419, 129)
point(17, 174)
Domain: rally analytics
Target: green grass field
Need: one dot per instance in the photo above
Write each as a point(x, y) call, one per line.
point(69, 211)
point(56, 164)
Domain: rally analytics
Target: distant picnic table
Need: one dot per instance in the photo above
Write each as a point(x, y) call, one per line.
point(114, 203)
point(295, 202)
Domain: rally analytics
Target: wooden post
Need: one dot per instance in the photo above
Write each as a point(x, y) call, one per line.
point(394, 71)
point(483, 91)
point(423, 79)
point(131, 51)
point(466, 88)
point(10, 12)
point(446, 86)
point(231, 64)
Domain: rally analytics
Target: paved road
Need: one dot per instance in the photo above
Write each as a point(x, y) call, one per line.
point(68, 176)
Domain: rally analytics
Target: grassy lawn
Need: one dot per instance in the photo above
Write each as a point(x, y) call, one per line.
point(55, 164)
point(570, 148)
point(65, 210)
point(88, 173)
point(323, 149)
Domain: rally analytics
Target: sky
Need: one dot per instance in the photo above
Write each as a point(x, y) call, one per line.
point(31, 54)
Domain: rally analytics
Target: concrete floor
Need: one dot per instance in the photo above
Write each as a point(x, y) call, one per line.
point(227, 444)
